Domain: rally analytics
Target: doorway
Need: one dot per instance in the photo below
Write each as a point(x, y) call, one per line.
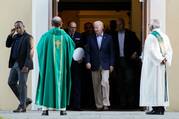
point(82, 12)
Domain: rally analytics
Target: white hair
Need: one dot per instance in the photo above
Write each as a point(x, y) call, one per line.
point(155, 23)
point(100, 23)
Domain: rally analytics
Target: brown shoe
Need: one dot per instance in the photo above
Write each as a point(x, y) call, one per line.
point(105, 108)
point(99, 109)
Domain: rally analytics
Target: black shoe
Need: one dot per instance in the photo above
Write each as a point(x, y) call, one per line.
point(155, 112)
point(45, 113)
point(63, 112)
point(76, 109)
point(19, 109)
point(105, 108)
point(28, 102)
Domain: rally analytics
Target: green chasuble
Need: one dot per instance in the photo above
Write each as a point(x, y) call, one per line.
point(55, 51)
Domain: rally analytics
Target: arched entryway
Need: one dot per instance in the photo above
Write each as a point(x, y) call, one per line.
point(133, 12)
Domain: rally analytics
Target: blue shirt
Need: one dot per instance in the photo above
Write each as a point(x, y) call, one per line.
point(99, 40)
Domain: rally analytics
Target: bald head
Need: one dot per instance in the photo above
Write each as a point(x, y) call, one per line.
point(72, 27)
point(154, 24)
point(72, 24)
point(57, 21)
point(98, 27)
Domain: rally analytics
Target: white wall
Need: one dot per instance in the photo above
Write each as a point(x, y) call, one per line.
point(166, 12)
point(172, 24)
point(11, 11)
point(35, 14)
point(158, 11)
point(41, 14)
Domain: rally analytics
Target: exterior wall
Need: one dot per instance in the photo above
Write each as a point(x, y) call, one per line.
point(172, 24)
point(158, 11)
point(165, 11)
point(37, 22)
point(41, 16)
point(11, 11)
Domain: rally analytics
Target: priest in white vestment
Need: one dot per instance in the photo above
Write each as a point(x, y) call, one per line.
point(157, 56)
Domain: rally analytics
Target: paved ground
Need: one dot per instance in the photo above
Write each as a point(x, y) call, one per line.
point(88, 115)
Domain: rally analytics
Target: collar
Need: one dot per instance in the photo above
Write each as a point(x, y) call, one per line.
point(101, 35)
point(123, 31)
point(19, 35)
point(157, 29)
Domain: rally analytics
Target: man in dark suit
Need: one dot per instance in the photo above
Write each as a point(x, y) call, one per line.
point(87, 95)
point(100, 59)
point(112, 27)
point(76, 68)
point(88, 30)
point(127, 51)
point(20, 62)
point(72, 32)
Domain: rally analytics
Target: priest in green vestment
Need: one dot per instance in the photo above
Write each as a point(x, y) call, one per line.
point(55, 51)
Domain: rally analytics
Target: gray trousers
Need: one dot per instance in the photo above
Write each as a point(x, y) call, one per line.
point(17, 82)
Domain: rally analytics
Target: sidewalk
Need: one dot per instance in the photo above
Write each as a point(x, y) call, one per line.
point(87, 115)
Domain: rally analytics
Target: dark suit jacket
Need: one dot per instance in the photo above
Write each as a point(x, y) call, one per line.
point(131, 45)
point(84, 37)
point(104, 56)
point(77, 39)
point(24, 58)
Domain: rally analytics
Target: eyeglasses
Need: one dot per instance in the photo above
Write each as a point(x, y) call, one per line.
point(73, 27)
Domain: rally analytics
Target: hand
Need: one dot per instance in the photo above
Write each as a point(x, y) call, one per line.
point(25, 69)
point(111, 68)
point(13, 31)
point(134, 55)
point(88, 66)
point(164, 61)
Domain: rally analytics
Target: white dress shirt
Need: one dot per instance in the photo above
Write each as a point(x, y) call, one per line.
point(99, 40)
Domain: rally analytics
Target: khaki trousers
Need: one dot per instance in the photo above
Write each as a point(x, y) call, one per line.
point(101, 87)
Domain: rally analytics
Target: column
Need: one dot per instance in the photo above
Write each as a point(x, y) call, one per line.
point(41, 15)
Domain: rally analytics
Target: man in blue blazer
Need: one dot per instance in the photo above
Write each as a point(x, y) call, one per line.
point(100, 59)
